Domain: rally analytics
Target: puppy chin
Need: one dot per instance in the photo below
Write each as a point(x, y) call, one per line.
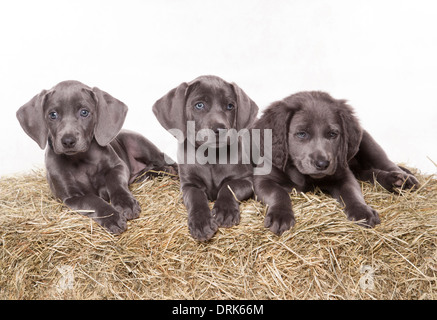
point(213, 142)
point(70, 152)
point(316, 174)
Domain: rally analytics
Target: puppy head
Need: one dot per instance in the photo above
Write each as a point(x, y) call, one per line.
point(210, 102)
point(313, 130)
point(211, 105)
point(70, 115)
point(314, 140)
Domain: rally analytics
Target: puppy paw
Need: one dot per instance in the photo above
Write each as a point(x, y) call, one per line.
point(202, 226)
point(127, 205)
point(404, 181)
point(279, 221)
point(172, 169)
point(365, 215)
point(226, 213)
point(113, 221)
point(401, 180)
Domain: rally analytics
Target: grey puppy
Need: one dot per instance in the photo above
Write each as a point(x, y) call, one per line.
point(216, 105)
point(89, 161)
point(318, 142)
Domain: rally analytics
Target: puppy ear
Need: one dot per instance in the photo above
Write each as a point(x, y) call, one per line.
point(110, 116)
point(352, 132)
point(246, 109)
point(277, 118)
point(170, 109)
point(31, 118)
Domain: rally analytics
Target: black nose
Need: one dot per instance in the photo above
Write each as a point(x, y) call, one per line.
point(68, 141)
point(321, 164)
point(218, 129)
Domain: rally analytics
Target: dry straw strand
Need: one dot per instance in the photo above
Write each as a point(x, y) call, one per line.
point(322, 257)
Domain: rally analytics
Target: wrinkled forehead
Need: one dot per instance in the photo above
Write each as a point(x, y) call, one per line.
point(210, 90)
point(317, 115)
point(70, 96)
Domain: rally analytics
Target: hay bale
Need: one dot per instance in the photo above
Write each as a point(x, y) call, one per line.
point(49, 252)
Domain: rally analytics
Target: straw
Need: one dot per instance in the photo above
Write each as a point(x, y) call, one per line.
point(48, 251)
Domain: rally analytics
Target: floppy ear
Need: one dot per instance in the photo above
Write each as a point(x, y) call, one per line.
point(352, 132)
point(31, 118)
point(110, 116)
point(246, 109)
point(170, 109)
point(277, 118)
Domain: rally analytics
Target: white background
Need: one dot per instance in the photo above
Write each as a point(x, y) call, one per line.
point(381, 55)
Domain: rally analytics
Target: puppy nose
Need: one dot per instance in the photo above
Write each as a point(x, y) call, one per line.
point(321, 164)
point(218, 129)
point(68, 141)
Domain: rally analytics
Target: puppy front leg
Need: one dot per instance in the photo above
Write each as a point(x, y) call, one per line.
point(226, 209)
point(201, 223)
point(119, 194)
point(279, 217)
point(348, 192)
point(104, 214)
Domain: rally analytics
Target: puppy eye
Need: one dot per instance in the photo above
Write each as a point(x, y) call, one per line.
point(199, 106)
point(301, 134)
point(53, 115)
point(230, 106)
point(332, 134)
point(84, 113)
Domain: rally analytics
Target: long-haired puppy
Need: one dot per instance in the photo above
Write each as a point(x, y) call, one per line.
point(318, 142)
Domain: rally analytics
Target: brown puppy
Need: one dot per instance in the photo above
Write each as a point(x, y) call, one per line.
point(88, 161)
point(209, 106)
point(316, 141)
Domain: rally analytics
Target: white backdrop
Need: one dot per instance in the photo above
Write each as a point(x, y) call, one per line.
point(381, 55)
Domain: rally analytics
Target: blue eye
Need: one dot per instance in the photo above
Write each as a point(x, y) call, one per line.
point(84, 113)
point(332, 134)
point(230, 106)
point(53, 115)
point(199, 106)
point(301, 134)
